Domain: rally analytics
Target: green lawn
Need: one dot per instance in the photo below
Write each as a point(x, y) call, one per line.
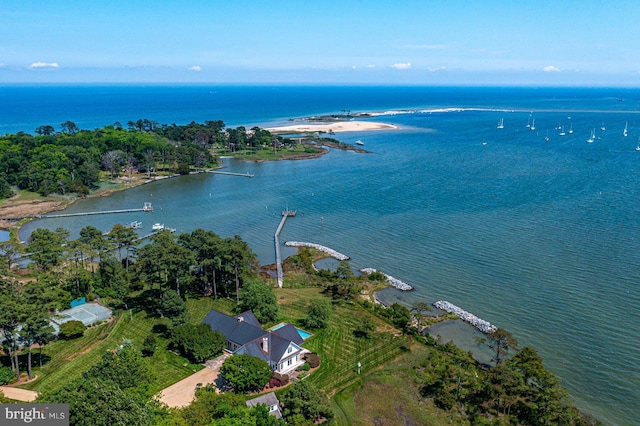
point(339, 349)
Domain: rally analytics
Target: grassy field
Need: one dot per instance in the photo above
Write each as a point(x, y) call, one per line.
point(390, 396)
point(339, 349)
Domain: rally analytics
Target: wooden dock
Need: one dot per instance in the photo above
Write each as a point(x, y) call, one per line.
point(285, 214)
point(146, 208)
point(249, 175)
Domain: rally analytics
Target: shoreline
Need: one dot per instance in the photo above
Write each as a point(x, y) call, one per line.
point(333, 127)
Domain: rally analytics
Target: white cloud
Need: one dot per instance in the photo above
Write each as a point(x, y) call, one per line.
point(436, 69)
point(195, 68)
point(44, 65)
point(371, 66)
point(550, 68)
point(402, 66)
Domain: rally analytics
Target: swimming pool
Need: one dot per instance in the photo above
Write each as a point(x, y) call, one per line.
point(305, 335)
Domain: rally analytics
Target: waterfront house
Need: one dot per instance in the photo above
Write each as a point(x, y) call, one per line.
point(245, 335)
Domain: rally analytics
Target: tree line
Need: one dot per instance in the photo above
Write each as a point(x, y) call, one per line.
point(71, 160)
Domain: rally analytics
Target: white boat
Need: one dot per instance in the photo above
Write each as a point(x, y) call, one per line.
point(562, 133)
point(359, 142)
point(533, 124)
point(501, 123)
point(626, 127)
point(602, 127)
point(157, 226)
point(571, 128)
point(593, 136)
point(528, 122)
point(546, 138)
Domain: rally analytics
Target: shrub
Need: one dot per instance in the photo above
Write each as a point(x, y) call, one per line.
point(197, 342)
point(6, 375)
point(313, 360)
point(282, 378)
point(149, 345)
point(246, 373)
point(304, 367)
point(72, 329)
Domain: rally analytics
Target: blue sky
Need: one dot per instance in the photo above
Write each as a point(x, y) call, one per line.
point(351, 42)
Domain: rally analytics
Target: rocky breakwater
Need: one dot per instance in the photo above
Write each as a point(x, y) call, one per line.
point(323, 249)
point(480, 324)
point(393, 282)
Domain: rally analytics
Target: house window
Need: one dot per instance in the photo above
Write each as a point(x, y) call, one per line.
point(289, 361)
point(289, 350)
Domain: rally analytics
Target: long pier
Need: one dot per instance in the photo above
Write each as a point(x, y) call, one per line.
point(51, 216)
point(276, 238)
point(249, 175)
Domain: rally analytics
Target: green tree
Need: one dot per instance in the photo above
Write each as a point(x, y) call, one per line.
point(172, 305)
point(35, 329)
point(46, 248)
point(97, 244)
point(400, 315)
point(213, 408)
point(72, 329)
point(97, 402)
point(125, 368)
point(259, 298)
point(418, 309)
point(246, 373)
point(5, 189)
point(319, 313)
point(501, 341)
point(197, 342)
point(303, 400)
point(123, 237)
point(13, 313)
point(149, 345)
point(365, 327)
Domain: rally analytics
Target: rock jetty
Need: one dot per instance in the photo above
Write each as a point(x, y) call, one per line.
point(323, 249)
point(393, 282)
point(478, 323)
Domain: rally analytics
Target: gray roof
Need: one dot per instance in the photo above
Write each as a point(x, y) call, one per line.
point(250, 318)
point(266, 399)
point(269, 399)
point(277, 347)
point(235, 329)
point(289, 332)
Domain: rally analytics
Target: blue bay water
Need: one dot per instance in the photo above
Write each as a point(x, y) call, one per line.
point(541, 238)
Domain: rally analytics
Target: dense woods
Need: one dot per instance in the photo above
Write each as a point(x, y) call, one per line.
point(72, 160)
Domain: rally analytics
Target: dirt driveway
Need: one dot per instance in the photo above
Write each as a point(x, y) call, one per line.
point(181, 394)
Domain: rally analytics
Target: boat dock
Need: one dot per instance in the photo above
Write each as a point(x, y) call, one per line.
point(285, 214)
point(249, 175)
point(152, 233)
point(146, 208)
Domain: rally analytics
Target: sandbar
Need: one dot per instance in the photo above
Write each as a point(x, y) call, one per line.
point(336, 127)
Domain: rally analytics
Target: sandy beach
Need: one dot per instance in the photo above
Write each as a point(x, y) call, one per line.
point(336, 127)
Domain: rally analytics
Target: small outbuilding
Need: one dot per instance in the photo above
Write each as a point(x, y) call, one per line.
point(270, 400)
